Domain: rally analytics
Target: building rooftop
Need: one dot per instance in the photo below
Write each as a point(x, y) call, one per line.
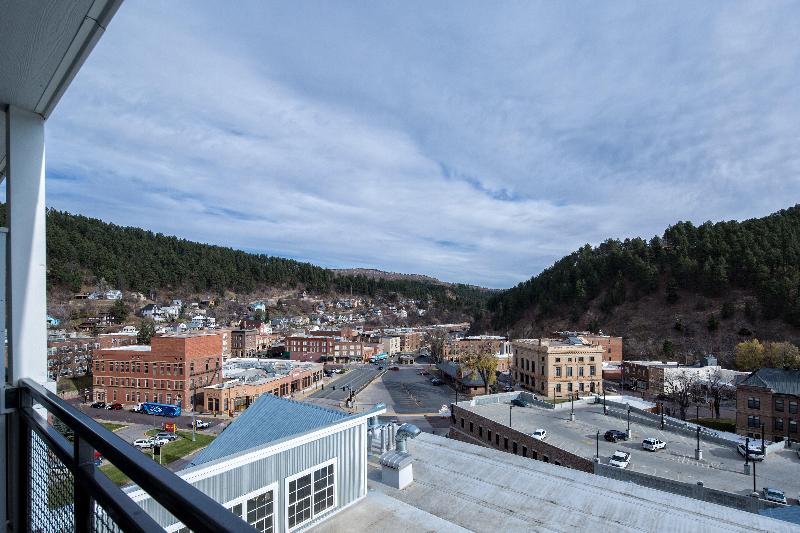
point(463, 487)
point(130, 348)
point(777, 379)
point(268, 419)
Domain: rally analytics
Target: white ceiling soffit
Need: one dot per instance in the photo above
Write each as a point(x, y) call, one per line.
point(43, 44)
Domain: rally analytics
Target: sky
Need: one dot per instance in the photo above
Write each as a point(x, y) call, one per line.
point(476, 142)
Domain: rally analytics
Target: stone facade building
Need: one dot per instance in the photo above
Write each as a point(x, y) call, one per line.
point(558, 368)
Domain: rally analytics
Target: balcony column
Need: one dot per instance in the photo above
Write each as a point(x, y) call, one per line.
point(26, 257)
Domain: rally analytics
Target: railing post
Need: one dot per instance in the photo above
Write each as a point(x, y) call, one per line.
point(19, 467)
point(83, 502)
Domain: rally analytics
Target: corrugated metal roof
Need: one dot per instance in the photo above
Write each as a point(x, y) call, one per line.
point(269, 419)
point(779, 380)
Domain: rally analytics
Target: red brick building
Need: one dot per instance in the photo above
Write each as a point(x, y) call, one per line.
point(318, 349)
point(612, 346)
point(167, 371)
point(769, 398)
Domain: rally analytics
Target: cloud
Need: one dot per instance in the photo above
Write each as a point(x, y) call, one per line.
point(470, 142)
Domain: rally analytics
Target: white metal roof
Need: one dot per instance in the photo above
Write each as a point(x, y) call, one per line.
point(42, 46)
point(482, 489)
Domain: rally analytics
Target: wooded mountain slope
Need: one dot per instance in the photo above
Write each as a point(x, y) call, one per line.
point(756, 262)
point(80, 247)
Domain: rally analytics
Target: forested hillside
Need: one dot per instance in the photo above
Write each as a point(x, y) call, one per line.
point(752, 265)
point(80, 248)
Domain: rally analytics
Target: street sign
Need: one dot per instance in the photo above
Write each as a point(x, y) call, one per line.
point(169, 426)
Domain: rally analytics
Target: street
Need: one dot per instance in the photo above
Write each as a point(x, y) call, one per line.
point(409, 397)
point(355, 378)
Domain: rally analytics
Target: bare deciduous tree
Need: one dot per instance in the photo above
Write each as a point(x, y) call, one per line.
point(682, 389)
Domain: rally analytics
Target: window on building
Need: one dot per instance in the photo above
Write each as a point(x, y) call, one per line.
point(524, 451)
point(462, 422)
point(505, 443)
point(310, 494)
point(792, 426)
point(558, 371)
point(480, 431)
point(793, 407)
point(558, 387)
point(779, 404)
point(580, 371)
point(496, 439)
point(535, 454)
point(470, 427)
point(569, 371)
point(753, 403)
point(753, 421)
point(777, 424)
point(514, 447)
point(592, 371)
point(489, 435)
point(569, 387)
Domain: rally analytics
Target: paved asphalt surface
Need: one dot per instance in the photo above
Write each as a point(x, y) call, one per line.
point(409, 397)
point(356, 377)
point(721, 467)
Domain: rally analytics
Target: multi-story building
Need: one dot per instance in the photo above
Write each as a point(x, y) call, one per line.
point(249, 342)
point(69, 355)
point(227, 341)
point(658, 377)
point(315, 348)
point(612, 346)
point(391, 344)
point(112, 340)
point(558, 368)
point(169, 370)
point(768, 398)
point(499, 346)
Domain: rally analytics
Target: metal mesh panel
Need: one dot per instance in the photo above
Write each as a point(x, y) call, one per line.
point(50, 498)
point(102, 523)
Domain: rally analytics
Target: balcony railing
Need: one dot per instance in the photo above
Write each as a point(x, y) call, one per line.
point(54, 485)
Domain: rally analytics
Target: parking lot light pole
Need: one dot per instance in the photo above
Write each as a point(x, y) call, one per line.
point(747, 456)
point(572, 408)
point(605, 409)
point(629, 422)
point(661, 408)
point(763, 450)
point(755, 491)
point(510, 407)
point(597, 443)
point(698, 453)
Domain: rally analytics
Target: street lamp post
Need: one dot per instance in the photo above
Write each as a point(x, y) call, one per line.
point(755, 491)
point(762, 439)
point(597, 444)
point(698, 453)
point(747, 456)
point(661, 408)
point(572, 407)
point(510, 407)
point(605, 409)
point(697, 413)
point(629, 422)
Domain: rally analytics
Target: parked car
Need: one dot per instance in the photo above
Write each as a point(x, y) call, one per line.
point(614, 435)
point(620, 459)
point(114, 407)
point(774, 495)
point(755, 451)
point(99, 405)
point(653, 444)
point(436, 381)
point(508, 388)
point(167, 435)
point(539, 434)
point(158, 441)
point(143, 443)
point(394, 368)
point(199, 424)
point(519, 402)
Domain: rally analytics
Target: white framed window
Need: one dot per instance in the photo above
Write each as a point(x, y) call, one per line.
point(310, 494)
point(257, 508)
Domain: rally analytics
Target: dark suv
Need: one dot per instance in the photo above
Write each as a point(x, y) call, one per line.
point(613, 435)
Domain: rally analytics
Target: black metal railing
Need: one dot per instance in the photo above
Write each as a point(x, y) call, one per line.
point(54, 484)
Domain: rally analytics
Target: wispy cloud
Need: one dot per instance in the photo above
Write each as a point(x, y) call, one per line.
point(471, 142)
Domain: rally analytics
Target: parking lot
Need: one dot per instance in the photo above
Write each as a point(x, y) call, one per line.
point(720, 468)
